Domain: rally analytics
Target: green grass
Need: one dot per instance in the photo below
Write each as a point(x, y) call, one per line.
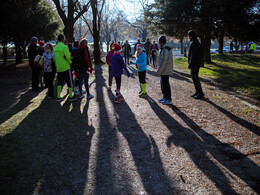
point(240, 72)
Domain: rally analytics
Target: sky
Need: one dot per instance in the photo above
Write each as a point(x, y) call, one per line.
point(132, 8)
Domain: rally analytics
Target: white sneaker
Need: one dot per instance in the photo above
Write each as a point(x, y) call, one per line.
point(167, 102)
point(81, 96)
point(90, 96)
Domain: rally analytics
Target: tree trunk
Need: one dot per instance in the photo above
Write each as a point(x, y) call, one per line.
point(221, 43)
point(18, 52)
point(4, 53)
point(68, 32)
point(181, 42)
point(205, 46)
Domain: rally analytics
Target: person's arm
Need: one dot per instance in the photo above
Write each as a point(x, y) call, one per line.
point(124, 66)
point(163, 60)
point(67, 55)
point(107, 59)
point(87, 58)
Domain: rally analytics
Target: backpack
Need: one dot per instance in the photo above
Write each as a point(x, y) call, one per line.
point(77, 58)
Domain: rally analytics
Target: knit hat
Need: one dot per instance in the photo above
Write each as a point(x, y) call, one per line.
point(116, 47)
point(41, 43)
point(139, 46)
point(162, 39)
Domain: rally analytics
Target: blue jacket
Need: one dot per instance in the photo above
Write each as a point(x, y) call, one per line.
point(142, 62)
point(118, 65)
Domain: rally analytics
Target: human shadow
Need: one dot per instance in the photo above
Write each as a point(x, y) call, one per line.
point(107, 142)
point(149, 165)
point(198, 143)
point(48, 152)
point(250, 126)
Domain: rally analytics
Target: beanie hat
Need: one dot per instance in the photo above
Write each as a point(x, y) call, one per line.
point(191, 33)
point(162, 39)
point(139, 46)
point(41, 43)
point(116, 47)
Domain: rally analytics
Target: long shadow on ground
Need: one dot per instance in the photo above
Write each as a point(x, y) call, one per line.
point(197, 143)
point(48, 152)
point(149, 167)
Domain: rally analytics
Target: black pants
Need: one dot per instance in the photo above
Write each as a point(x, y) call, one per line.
point(165, 86)
point(110, 76)
point(48, 80)
point(195, 77)
point(147, 57)
point(83, 76)
point(118, 82)
point(142, 76)
point(65, 76)
point(154, 57)
point(35, 77)
point(127, 58)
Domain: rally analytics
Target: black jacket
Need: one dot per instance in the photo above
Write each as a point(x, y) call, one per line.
point(127, 48)
point(195, 57)
point(32, 53)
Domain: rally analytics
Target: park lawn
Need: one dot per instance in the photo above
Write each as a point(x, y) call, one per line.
point(240, 72)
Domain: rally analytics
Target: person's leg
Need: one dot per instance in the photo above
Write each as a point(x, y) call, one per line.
point(60, 83)
point(128, 56)
point(196, 82)
point(86, 77)
point(80, 76)
point(68, 79)
point(142, 76)
point(52, 75)
point(166, 89)
point(46, 76)
point(110, 76)
point(118, 85)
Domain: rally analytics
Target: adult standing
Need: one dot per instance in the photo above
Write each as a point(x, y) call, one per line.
point(109, 63)
point(63, 61)
point(252, 48)
point(165, 69)
point(147, 46)
point(153, 50)
point(49, 68)
point(195, 62)
point(32, 53)
point(127, 49)
point(84, 66)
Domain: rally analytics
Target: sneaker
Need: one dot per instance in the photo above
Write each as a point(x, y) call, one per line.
point(83, 92)
point(72, 99)
point(143, 95)
point(140, 92)
point(167, 102)
point(58, 99)
point(161, 100)
point(195, 94)
point(200, 96)
point(90, 96)
point(121, 99)
point(81, 96)
point(76, 93)
point(117, 100)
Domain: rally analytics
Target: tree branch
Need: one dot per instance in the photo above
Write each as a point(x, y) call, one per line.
point(60, 11)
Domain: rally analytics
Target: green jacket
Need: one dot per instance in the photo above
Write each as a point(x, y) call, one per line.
point(62, 57)
point(252, 46)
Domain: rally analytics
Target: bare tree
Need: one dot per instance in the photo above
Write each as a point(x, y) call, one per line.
point(69, 12)
point(94, 25)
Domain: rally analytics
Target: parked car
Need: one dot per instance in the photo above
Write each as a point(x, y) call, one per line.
point(212, 51)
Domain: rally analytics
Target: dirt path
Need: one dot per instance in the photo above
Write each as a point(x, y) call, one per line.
point(209, 146)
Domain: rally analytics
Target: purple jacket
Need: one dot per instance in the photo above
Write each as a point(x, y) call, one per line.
point(118, 65)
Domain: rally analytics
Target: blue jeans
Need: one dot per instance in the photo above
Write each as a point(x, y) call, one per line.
point(83, 75)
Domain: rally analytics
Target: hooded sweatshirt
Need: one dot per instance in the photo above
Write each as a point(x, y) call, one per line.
point(165, 59)
point(118, 65)
point(142, 62)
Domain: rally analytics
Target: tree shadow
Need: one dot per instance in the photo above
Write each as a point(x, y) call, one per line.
point(250, 126)
point(144, 150)
point(48, 152)
point(198, 143)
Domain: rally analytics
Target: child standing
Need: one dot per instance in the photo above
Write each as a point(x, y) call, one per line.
point(109, 62)
point(49, 68)
point(141, 65)
point(118, 65)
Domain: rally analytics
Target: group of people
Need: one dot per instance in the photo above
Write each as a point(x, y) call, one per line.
point(116, 65)
point(250, 47)
point(59, 59)
point(76, 61)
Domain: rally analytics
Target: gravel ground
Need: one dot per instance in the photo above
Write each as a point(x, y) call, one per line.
point(209, 146)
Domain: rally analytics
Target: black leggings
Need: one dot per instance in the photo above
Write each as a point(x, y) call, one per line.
point(142, 76)
point(48, 80)
point(118, 82)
